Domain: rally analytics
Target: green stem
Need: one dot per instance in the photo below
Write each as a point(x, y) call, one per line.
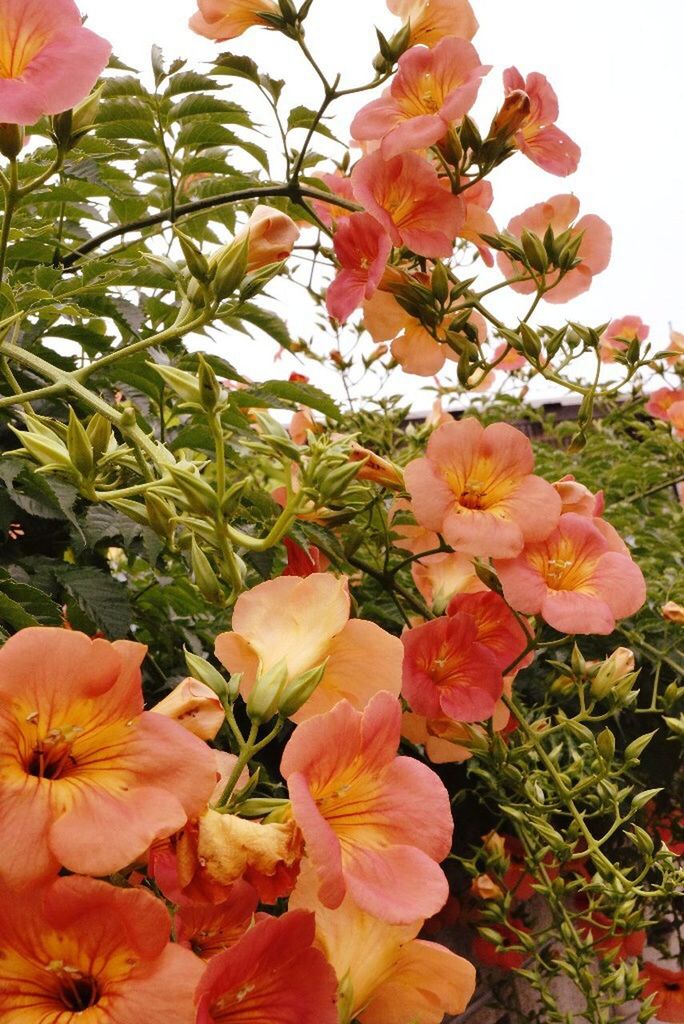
point(12, 196)
point(249, 750)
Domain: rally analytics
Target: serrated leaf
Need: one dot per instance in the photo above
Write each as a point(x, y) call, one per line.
point(99, 596)
point(237, 66)
point(302, 117)
point(36, 604)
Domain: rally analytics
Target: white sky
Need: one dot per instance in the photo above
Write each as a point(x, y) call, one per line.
point(616, 66)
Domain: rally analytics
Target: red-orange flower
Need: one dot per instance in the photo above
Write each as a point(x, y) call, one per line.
point(209, 928)
point(668, 989)
point(84, 950)
point(272, 974)
point(87, 779)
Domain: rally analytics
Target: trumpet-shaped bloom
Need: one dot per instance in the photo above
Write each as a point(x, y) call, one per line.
point(619, 334)
point(89, 951)
point(538, 137)
point(406, 197)
point(475, 486)
point(226, 19)
point(439, 577)
point(304, 622)
point(478, 221)
point(431, 89)
point(48, 61)
point(446, 741)
point(560, 214)
point(272, 974)
point(270, 235)
point(362, 247)
point(661, 401)
point(375, 825)
point(208, 928)
point(447, 673)
point(87, 779)
point(194, 706)
point(387, 975)
point(573, 579)
point(432, 20)
point(668, 988)
point(675, 348)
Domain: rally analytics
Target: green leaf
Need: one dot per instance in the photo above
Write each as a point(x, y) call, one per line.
point(237, 66)
point(190, 81)
point(302, 117)
point(99, 596)
point(36, 605)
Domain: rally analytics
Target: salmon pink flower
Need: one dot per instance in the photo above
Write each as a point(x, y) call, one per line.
point(362, 247)
point(387, 976)
point(560, 214)
point(208, 928)
point(447, 673)
point(573, 579)
point(676, 348)
point(673, 612)
point(375, 825)
point(431, 89)
point(475, 486)
point(406, 197)
point(478, 221)
point(194, 706)
point(661, 401)
point(272, 974)
point(668, 988)
point(506, 358)
point(82, 949)
point(48, 61)
point(538, 137)
point(87, 779)
point(227, 19)
point(305, 622)
point(432, 20)
point(619, 334)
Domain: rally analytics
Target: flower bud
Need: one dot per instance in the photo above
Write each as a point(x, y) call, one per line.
point(673, 612)
point(201, 669)
point(375, 468)
point(613, 670)
point(182, 383)
point(270, 236)
point(160, 514)
point(48, 451)
point(512, 115)
point(296, 693)
point(196, 261)
point(209, 387)
point(99, 431)
point(79, 445)
point(12, 140)
point(200, 496)
point(84, 115)
point(263, 701)
point(205, 578)
point(194, 706)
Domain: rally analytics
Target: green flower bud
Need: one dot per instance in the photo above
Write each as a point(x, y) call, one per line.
point(99, 431)
point(182, 383)
point(533, 247)
point(160, 514)
point(196, 262)
point(206, 580)
point(200, 669)
point(209, 387)
point(297, 692)
point(200, 496)
point(263, 701)
point(12, 140)
point(79, 446)
point(47, 451)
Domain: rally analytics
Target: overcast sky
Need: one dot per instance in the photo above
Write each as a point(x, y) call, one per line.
point(616, 66)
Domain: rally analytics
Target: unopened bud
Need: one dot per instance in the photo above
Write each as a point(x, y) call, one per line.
point(12, 140)
point(296, 693)
point(79, 445)
point(612, 671)
point(209, 387)
point(201, 669)
point(440, 283)
point(206, 580)
point(196, 261)
point(263, 701)
point(512, 115)
point(47, 451)
point(200, 496)
point(160, 514)
point(99, 431)
point(182, 383)
point(533, 247)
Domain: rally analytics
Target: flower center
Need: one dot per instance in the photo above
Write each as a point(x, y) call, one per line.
point(19, 45)
point(51, 757)
point(473, 495)
point(77, 991)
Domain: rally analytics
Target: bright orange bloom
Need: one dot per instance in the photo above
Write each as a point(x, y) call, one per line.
point(475, 486)
point(375, 825)
point(226, 19)
point(387, 976)
point(272, 974)
point(87, 779)
point(48, 61)
point(668, 989)
point(432, 20)
point(303, 622)
point(84, 950)
point(194, 706)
